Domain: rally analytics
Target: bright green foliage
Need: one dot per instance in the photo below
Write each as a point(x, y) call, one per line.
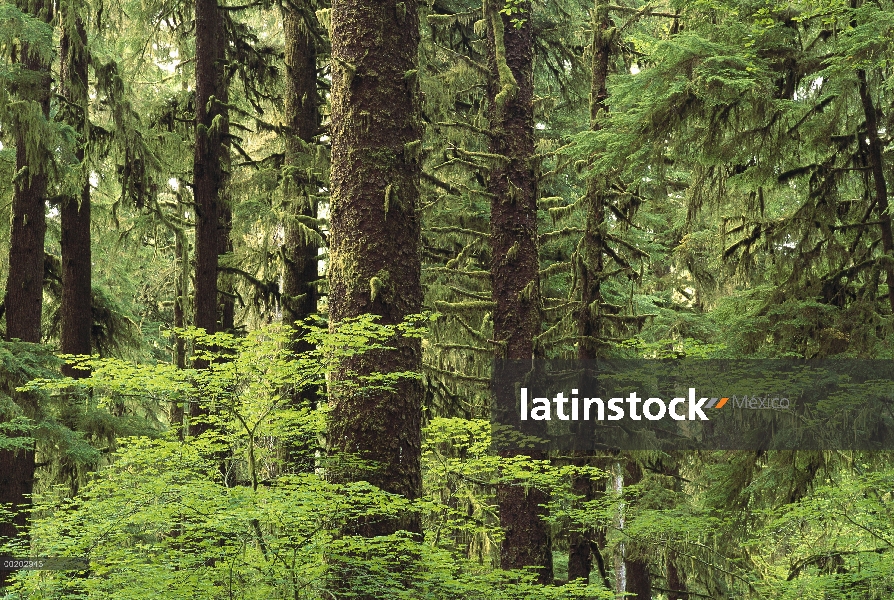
point(166, 518)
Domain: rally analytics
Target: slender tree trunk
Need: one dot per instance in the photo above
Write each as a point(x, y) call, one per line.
point(209, 170)
point(580, 559)
point(302, 116)
point(592, 267)
point(876, 162)
point(181, 287)
point(637, 580)
point(593, 264)
point(300, 248)
point(675, 581)
point(225, 281)
point(77, 315)
point(515, 267)
point(375, 256)
point(24, 284)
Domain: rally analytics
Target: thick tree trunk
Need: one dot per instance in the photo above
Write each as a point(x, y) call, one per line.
point(77, 316)
point(876, 163)
point(515, 266)
point(302, 116)
point(375, 257)
point(24, 285)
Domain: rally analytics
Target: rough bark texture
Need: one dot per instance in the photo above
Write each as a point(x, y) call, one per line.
point(375, 258)
point(211, 157)
point(77, 316)
point(302, 115)
point(208, 169)
point(876, 163)
point(515, 267)
point(24, 286)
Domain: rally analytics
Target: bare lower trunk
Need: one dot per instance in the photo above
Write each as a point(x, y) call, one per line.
point(77, 315)
point(211, 158)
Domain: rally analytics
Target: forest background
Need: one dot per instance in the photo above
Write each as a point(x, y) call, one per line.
point(420, 188)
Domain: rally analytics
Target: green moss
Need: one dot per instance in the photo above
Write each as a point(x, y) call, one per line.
point(508, 85)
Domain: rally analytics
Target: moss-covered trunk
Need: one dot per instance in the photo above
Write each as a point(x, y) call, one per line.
point(591, 267)
point(375, 257)
point(77, 317)
point(515, 268)
point(24, 285)
point(302, 120)
point(592, 264)
point(877, 165)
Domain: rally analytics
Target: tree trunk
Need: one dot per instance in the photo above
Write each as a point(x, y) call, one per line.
point(876, 163)
point(515, 267)
point(226, 284)
point(24, 285)
point(300, 246)
point(580, 559)
point(375, 256)
point(636, 567)
point(302, 116)
point(592, 267)
point(181, 291)
point(211, 159)
point(675, 580)
point(593, 263)
point(77, 315)
point(208, 169)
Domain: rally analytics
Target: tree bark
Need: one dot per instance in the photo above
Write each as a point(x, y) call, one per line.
point(375, 256)
point(208, 169)
point(580, 559)
point(300, 247)
point(876, 163)
point(24, 285)
point(515, 267)
point(77, 315)
point(302, 116)
point(592, 266)
point(636, 567)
